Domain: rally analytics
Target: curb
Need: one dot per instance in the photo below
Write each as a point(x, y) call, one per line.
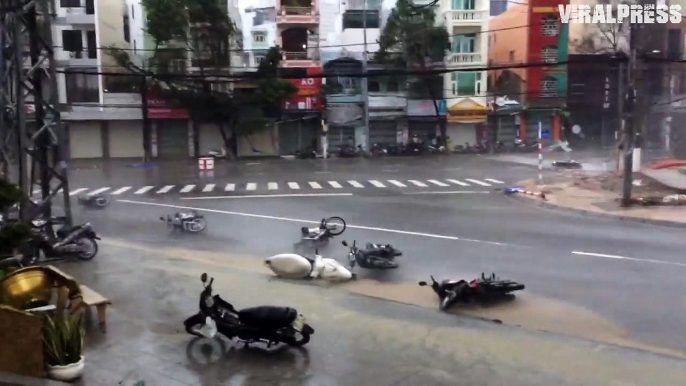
point(544, 204)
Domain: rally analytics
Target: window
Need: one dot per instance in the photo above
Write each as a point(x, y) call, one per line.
point(82, 88)
point(549, 54)
point(462, 4)
point(464, 43)
point(512, 56)
point(72, 41)
point(177, 66)
point(464, 83)
point(133, 13)
point(373, 86)
point(258, 60)
point(353, 19)
point(549, 26)
point(92, 44)
point(70, 3)
point(392, 86)
point(127, 31)
point(258, 38)
point(90, 7)
point(549, 87)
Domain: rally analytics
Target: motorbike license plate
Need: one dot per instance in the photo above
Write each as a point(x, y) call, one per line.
point(299, 323)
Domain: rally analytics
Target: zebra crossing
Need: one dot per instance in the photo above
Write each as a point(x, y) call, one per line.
point(273, 186)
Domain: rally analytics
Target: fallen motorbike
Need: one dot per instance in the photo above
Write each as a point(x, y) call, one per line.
point(294, 266)
point(373, 257)
point(78, 241)
point(97, 201)
point(221, 153)
point(186, 221)
point(482, 289)
point(265, 324)
point(327, 229)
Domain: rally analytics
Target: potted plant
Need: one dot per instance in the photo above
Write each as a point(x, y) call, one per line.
point(63, 348)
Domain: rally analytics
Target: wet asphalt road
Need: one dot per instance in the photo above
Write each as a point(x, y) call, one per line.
point(461, 236)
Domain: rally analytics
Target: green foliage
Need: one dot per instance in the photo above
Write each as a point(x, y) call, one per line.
point(62, 340)
point(166, 20)
point(412, 32)
point(272, 89)
point(10, 193)
point(12, 235)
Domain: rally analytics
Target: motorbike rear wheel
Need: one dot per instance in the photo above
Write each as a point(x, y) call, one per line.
point(304, 339)
point(196, 225)
point(92, 249)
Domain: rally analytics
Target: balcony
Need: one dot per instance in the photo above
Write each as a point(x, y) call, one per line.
point(300, 59)
point(82, 15)
point(466, 17)
point(464, 59)
point(297, 15)
point(86, 57)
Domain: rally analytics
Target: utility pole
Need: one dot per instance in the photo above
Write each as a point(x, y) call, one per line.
point(630, 114)
point(365, 79)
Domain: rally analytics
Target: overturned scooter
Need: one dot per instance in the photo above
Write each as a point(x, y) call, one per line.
point(294, 266)
point(373, 257)
point(96, 201)
point(192, 221)
point(327, 229)
point(481, 289)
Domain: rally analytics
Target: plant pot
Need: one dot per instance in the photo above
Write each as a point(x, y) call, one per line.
point(66, 373)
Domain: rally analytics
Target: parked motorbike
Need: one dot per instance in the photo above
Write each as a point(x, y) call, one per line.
point(451, 292)
point(265, 324)
point(294, 266)
point(348, 151)
point(97, 201)
point(78, 241)
point(186, 221)
point(372, 258)
point(499, 147)
point(378, 150)
point(327, 229)
point(306, 153)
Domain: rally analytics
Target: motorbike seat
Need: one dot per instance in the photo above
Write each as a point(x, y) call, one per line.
point(66, 230)
point(268, 317)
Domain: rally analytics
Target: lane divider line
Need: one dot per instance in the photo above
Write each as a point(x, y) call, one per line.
point(616, 257)
point(269, 196)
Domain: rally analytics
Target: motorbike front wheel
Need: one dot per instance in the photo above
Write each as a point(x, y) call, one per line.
point(89, 248)
point(196, 225)
point(304, 338)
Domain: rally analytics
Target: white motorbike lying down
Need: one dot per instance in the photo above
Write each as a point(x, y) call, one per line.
point(294, 266)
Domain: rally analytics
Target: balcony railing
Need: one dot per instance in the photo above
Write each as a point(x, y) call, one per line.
point(466, 16)
point(464, 58)
point(298, 11)
point(359, 4)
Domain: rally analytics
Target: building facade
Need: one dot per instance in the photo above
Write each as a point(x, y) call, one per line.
point(465, 91)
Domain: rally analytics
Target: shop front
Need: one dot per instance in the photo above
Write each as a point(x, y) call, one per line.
point(422, 119)
point(171, 134)
point(504, 120)
point(387, 119)
point(466, 122)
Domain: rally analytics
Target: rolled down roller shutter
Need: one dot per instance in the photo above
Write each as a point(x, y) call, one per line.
point(338, 135)
point(423, 129)
point(173, 138)
point(383, 132)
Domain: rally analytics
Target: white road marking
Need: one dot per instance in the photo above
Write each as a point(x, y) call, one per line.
point(165, 189)
point(458, 182)
point(143, 189)
point(322, 172)
point(272, 186)
point(293, 185)
point(355, 184)
point(377, 183)
point(397, 183)
point(477, 182)
point(230, 187)
point(418, 183)
point(251, 186)
point(187, 188)
point(628, 258)
point(493, 180)
point(271, 196)
point(208, 188)
point(122, 190)
point(98, 191)
point(335, 184)
point(315, 185)
point(295, 220)
point(439, 183)
point(451, 192)
point(77, 191)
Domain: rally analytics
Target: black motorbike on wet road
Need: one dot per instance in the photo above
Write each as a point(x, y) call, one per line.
point(482, 289)
point(265, 324)
point(374, 256)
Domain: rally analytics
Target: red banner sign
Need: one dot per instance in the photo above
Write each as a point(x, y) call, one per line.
point(309, 92)
point(159, 109)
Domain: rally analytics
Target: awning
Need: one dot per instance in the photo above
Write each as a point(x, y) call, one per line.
point(467, 111)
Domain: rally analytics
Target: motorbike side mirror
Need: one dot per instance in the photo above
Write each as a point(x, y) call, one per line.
point(422, 284)
point(345, 244)
point(203, 278)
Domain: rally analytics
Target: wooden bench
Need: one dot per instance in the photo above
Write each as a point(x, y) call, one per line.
point(91, 298)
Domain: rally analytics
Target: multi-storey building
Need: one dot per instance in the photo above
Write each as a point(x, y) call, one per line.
point(465, 91)
point(530, 35)
point(102, 117)
point(259, 32)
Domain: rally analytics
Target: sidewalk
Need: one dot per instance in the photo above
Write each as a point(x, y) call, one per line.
point(600, 195)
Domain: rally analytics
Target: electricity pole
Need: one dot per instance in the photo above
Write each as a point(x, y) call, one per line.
point(630, 114)
point(365, 79)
